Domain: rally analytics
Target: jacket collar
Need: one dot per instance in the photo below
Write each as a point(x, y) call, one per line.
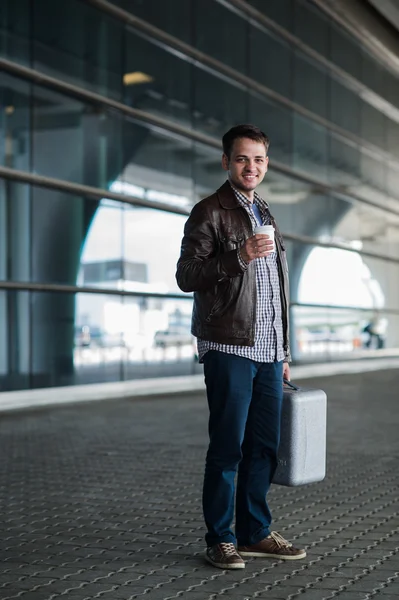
point(227, 197)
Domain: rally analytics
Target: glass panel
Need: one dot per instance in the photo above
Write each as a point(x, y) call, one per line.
point(373, 174)
point(132, 338)
point(101, 261)
point(15, 351)
point(270, 62)
point(103, 147)
point(298, 208)
point(334, 277)
point(362, 227)
point(312, 27)
point(392, 171)
point(383, 282)
point(58, 122)
point(91, 140)
point(99, 328)
point(151, 248)
point(331, 276)
point(157, 81)
point(221, 33)
point(310, 148)
point(215, 118)
point(15, 98)
point(344, 107)
point(281, 11)
point(78, 43)
point(276, 122)
point(207, 171)
point(158, 341)
point(345, 52)
point(390, 87)
point(345, 161)
point(373, 126)
point(157, 166)
point(393, 138)
point(15, 238)
point(310, 85)
point(163, 15)
point(329, 334)
point(92, 338)
point(4, 341)
point(58, 226)
point(15, 30)
point(372, 72)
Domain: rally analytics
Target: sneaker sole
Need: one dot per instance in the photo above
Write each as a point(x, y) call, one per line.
point(278, 556)
point(224, 566)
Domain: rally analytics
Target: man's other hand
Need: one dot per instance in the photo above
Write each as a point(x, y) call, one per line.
point(286, 372)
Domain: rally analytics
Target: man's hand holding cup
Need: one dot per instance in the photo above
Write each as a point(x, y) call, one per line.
point(259, 245)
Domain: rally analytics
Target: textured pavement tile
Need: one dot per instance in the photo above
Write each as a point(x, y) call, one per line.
point(105, 501)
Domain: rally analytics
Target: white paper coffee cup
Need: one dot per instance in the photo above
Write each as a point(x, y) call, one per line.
point(266, 230)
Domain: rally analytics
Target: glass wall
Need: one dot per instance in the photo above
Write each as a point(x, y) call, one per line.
point(87, 285)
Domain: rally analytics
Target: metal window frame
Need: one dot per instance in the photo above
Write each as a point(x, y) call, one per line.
point(100, 194)
point(21, 286)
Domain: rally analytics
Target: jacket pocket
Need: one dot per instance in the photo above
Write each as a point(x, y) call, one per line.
point(231, 243)
point(221, 301)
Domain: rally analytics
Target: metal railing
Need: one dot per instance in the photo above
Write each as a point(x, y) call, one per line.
point(101, 194)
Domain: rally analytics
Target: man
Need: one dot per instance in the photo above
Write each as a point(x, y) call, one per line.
point(240, 317)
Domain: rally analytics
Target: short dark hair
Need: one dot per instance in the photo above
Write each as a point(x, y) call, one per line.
point(243, 131)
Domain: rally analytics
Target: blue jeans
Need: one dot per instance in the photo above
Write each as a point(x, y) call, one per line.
point(245, 399)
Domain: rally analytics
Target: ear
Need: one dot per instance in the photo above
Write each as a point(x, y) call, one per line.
point(267, 163)
point(225, 162)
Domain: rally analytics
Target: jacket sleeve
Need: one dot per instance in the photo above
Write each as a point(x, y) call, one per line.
point(201, 266)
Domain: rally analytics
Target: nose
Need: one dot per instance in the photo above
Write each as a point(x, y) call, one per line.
point(250, 166)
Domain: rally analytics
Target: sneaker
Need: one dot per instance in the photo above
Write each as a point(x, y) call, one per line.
point(224, 556)
point(274, 546)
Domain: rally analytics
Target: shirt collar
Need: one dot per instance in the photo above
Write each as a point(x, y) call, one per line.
point(258, 199)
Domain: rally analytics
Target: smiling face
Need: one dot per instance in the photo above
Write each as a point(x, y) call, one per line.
point(247, 165)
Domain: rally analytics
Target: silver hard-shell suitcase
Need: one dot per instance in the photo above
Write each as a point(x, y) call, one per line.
point(302, 450)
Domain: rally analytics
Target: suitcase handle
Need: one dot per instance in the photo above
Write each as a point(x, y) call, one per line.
point(290, 384)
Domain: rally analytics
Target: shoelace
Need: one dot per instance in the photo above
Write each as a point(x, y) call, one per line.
point(280, 541)
point(228, 549)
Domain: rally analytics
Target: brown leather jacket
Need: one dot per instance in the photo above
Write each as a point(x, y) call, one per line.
point(224, 295)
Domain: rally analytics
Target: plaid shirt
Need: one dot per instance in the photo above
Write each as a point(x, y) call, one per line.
point(269, 326)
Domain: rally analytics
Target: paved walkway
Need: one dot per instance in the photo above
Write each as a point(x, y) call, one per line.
point(103, 501)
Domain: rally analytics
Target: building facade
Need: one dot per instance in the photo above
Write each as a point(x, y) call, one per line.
point(111, 119)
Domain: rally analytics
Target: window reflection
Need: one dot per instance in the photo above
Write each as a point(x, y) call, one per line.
point(337, 277)
point(132, 248)
point(310, 85)
point(330, 333)
point(163, 15)
point(271, 61)
point(132, 338)
point(216, 28)
point(15, 109)
point(14, 30)
point(79, 43)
